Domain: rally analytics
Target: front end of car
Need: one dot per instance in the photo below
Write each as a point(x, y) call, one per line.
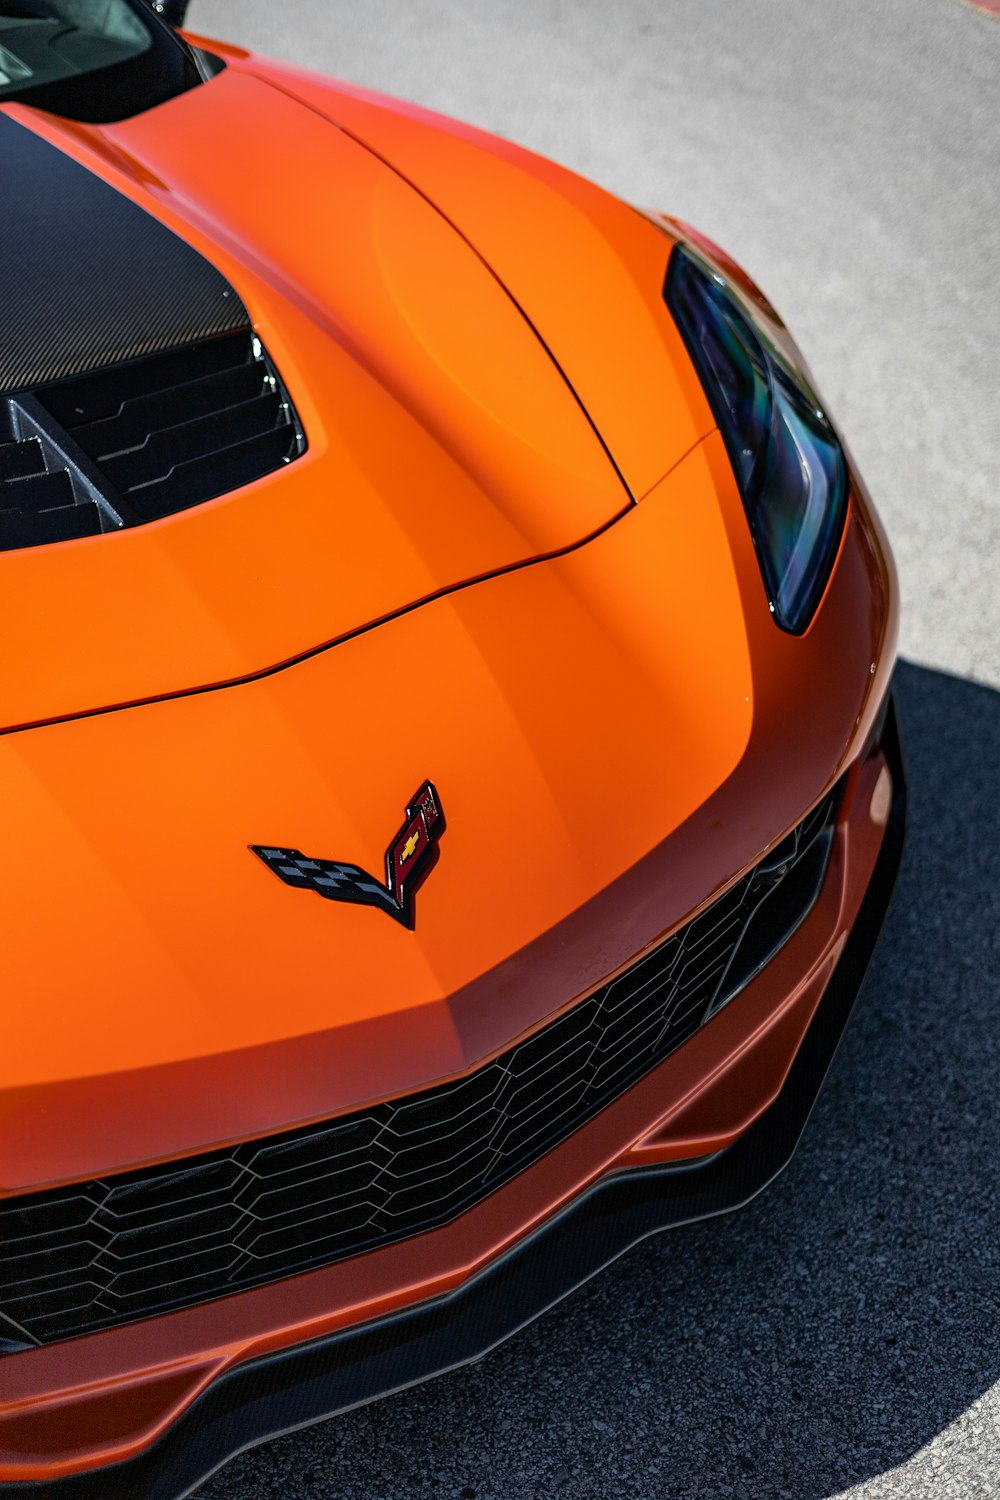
point(275, 1154)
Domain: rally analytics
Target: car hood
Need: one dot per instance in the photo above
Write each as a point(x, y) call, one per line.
point(448, 439)
point(192, 996)
point(598, 782)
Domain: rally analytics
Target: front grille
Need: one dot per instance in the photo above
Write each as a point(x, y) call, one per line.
point(140, 441)
point(107, 1252)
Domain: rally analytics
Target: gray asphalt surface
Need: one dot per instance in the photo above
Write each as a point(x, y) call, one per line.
point(840, 1336)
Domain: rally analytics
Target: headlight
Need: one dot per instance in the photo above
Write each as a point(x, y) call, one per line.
point(789, 466)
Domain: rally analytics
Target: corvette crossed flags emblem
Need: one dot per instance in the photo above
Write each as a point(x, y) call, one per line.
point(406, 862)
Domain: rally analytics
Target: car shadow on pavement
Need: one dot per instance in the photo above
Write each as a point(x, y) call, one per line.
point(828, 1332)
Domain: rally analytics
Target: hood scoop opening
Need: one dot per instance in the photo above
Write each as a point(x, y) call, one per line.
point(141, 440)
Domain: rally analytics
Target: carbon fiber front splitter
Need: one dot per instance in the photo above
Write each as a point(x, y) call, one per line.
point(264, 1398)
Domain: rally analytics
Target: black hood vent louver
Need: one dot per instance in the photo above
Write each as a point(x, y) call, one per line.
point(141, 440)
point(44, 497)
point(172, 430)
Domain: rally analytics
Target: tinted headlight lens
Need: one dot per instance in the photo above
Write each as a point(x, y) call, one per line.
point(789, 466)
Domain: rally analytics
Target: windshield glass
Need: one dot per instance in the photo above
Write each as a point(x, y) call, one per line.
point(93, 60)
point(44, 40)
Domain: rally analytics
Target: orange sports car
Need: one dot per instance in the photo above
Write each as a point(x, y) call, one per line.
point(451, 789)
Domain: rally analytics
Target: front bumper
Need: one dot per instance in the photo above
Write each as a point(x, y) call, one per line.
point(261, 1397)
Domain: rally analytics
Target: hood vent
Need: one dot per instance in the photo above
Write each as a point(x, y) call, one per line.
point(141, 440)
point(42, 497)
point(172, 430)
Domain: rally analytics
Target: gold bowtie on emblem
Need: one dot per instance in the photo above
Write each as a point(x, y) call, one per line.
point(409, 847)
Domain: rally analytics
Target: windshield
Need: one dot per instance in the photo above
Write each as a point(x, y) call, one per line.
point(94, 60)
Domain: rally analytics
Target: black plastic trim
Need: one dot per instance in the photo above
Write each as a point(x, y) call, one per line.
point(172, 11)
point(264, 1398)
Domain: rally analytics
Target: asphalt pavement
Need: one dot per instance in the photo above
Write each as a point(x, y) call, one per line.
point(840, 1337)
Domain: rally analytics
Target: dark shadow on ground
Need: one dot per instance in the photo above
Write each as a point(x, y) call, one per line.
point(826, 1333)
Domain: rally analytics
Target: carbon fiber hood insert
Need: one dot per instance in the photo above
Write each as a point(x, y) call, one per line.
point(91, 279)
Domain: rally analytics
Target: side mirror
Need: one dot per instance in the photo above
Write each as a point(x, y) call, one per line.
point(171, 10)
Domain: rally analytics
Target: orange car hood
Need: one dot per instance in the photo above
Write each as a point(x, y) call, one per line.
point(447, 441)
point(166, 977)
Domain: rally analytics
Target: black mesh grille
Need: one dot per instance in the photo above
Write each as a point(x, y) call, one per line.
point(107, 1252)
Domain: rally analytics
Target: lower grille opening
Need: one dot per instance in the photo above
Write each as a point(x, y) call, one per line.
point(102, 1253)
